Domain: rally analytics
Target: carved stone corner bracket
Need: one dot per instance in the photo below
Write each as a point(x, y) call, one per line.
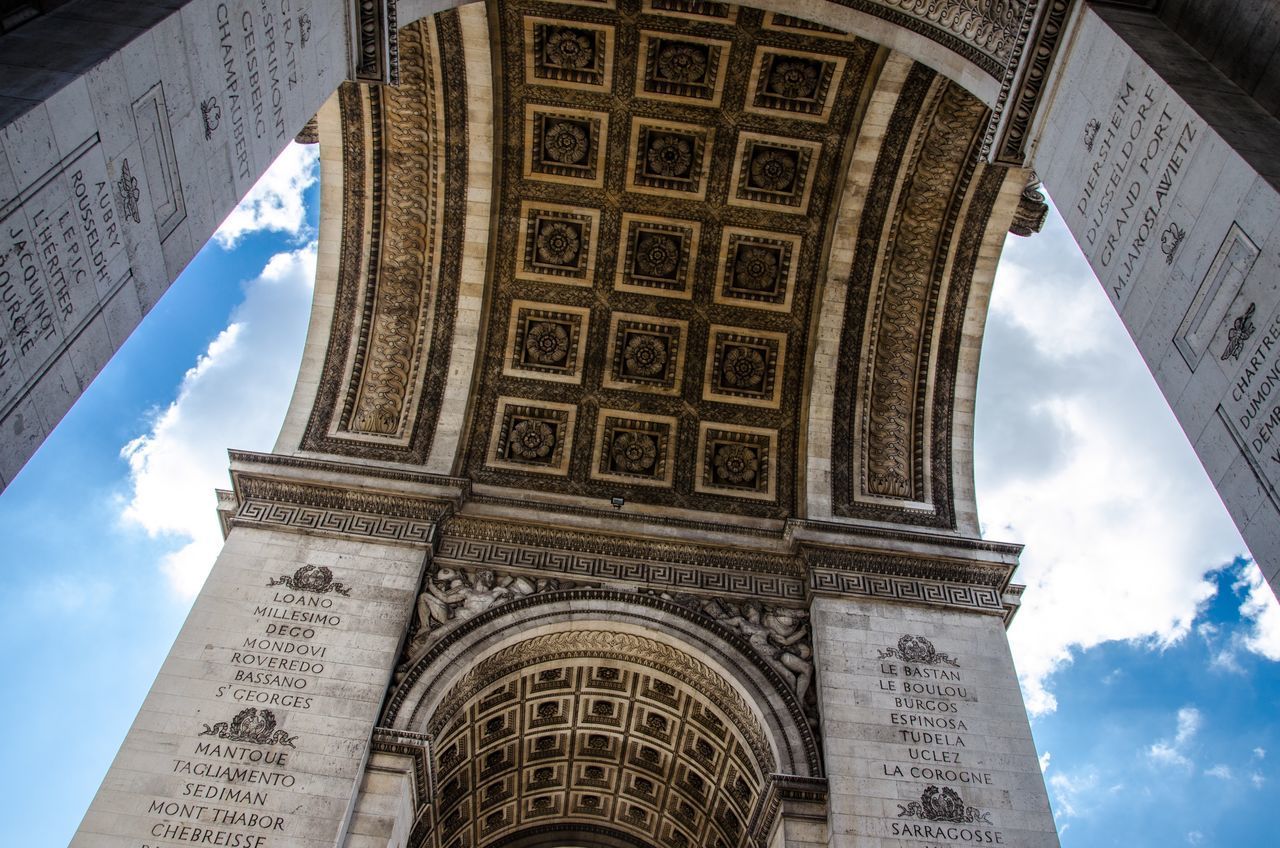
point(1032, 209)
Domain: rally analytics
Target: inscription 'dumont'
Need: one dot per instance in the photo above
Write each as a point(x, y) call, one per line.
point(928, 690)
point(235, 764)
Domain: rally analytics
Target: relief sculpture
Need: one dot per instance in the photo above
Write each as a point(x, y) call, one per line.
point(779, 635)
point(454, 595)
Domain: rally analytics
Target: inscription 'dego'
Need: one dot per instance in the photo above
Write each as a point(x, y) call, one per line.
point(928, 688)
point(229, 776)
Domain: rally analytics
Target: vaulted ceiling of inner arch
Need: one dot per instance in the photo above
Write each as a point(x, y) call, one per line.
point(664, 197)
point(660, 314)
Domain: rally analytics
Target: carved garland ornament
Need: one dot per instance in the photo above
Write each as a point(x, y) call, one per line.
point(393, 318)
point(898, 350)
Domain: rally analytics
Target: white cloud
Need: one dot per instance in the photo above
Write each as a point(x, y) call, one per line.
point(234, 396)
point(66, 594)
point(1195, 837)
point(1221, 771)
point(1078, 456)
point(1262, 612)
point(1044, 762)
point(1259, 753)
point(1257, 780)
point(275, 201)
point(1166, 752)
point(1071, 793)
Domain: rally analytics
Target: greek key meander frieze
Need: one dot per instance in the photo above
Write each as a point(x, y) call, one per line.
point(404, 174)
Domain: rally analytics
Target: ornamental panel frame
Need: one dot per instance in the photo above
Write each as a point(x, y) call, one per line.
point(523, 315)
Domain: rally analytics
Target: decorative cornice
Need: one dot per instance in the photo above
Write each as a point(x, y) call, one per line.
point(983, 32)
point(406, 743)
point(890, 588)
point(375, 42)
point(616, 548)
point(264, 501)
point(969, 572)
point(1005, 141)
point(805, 796)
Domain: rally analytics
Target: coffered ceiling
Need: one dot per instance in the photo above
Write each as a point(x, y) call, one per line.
point(639, 249)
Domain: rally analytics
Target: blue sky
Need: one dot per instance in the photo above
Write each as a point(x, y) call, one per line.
point(1148, 650)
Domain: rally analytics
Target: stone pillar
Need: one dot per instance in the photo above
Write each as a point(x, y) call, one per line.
point(924, 729)
point(124, 143)
point(1167, 175)
point(257, 729)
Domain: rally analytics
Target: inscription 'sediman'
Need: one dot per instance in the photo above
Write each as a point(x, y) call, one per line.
point(312, 578)
point(919, 650)
point(942, 805)
point(251, 725)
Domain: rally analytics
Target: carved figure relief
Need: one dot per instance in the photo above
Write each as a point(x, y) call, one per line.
point(780, 635)
point(453, 595)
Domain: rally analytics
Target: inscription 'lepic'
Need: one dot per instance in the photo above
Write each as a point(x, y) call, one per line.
point(928, 690)
point(230, 772)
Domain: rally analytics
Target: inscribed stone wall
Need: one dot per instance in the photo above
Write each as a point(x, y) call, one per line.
point(110, 186)
point(256, 730)
point(924, 729)
point(1183, 232)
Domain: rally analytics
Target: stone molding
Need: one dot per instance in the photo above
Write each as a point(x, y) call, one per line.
point(313, 495)
point(409, 744)
point(1006, 139)
point(609, 604)
point(267, 502)
point(375, 41)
